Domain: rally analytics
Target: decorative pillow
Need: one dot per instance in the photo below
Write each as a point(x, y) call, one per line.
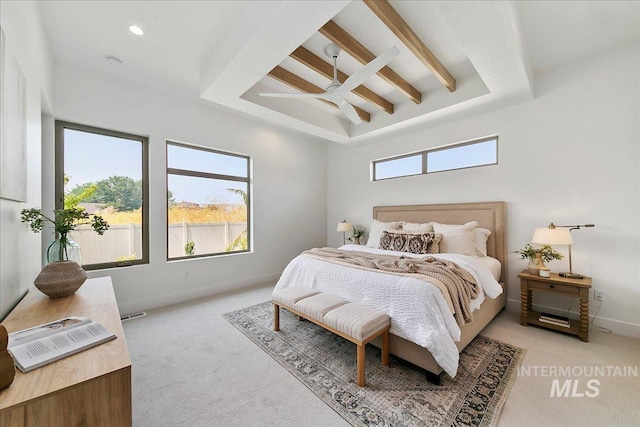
point(414, 227)
point(376, 229)
point(480, 242)
point(457, 239)
point(401, 241)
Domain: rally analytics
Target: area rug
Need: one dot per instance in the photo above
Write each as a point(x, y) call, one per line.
point(395, 395)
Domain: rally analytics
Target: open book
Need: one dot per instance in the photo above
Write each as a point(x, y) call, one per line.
point(43, 344)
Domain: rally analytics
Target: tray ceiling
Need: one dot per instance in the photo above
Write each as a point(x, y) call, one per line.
point(455, 56)
point(220, 53)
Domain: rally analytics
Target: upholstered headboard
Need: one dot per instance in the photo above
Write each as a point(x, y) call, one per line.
point(490, 215)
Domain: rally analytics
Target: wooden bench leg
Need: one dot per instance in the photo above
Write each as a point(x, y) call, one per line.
point(385, 348)
point(276, 317)
point(360, 364)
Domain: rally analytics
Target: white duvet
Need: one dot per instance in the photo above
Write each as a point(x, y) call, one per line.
point(418, 311)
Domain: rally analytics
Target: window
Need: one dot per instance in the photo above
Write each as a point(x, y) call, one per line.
point(399, 166)
point(106, 173)
point(207, 202)
point(471, 154)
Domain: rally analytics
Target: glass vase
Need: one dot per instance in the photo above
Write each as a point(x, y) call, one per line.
point(64, 249)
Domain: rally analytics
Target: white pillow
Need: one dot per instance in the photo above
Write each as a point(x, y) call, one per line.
point(414, 227)
point(376, 229)
point(482, 235)
point(457, 239)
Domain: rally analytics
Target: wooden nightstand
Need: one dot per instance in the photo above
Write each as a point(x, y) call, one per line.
point(559, 285)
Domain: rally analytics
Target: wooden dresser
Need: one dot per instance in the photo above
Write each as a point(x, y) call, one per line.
point(90, 388)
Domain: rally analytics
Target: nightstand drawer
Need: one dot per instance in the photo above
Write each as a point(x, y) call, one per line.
point(554, 287)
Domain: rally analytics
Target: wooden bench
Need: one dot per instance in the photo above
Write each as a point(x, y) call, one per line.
point(354, 322)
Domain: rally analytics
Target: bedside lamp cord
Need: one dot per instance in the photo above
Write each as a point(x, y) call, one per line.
point(598, 328)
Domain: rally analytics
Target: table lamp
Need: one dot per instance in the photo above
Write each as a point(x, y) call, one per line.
point(559, 235)
point(344, 226)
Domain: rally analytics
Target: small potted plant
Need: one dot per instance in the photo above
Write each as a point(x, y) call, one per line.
point(538, 256)
point(63, 221)
point(356, 234)
point(63, 275)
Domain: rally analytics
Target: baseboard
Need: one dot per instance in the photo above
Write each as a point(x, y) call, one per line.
point(194, 294)
point(616, 326)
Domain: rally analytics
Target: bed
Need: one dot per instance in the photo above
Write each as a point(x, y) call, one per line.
point(439, 351)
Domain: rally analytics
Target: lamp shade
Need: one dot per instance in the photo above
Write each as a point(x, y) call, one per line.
point(552, 236)
point(344, 226)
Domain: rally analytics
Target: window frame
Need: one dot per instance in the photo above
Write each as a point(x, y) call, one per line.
point(424, 154)
point(60, 127)
point(208, 175)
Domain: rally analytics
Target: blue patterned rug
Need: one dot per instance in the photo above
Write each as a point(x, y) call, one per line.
point(396, 395)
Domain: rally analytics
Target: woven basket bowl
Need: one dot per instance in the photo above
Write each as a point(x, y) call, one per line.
point(60, 279)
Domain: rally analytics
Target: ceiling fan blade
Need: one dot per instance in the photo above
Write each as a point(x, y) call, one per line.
point(350, 112)
point(360, 76)
point(293, 95)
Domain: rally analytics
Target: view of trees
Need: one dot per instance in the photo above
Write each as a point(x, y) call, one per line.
point(120, 198)
point(119, 192)
point(120, 201)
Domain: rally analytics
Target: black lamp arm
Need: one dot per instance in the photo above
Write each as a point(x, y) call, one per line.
point(571, 227)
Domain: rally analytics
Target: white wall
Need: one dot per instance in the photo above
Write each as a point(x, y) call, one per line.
point(288, 193)
point(20, 254)
point(570, 156)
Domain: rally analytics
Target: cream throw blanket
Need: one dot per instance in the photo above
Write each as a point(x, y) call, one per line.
point(456, 284)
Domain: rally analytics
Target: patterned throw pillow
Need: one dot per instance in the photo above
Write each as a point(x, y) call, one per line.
point(427, 243)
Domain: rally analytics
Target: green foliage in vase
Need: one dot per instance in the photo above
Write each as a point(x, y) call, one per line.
point(547, 253)
point(357, 233)
point(64, 220)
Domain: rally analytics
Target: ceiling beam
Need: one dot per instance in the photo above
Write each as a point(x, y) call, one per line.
point(403, 31)
point(316, 63)
point(346, 42)
point(290, 79)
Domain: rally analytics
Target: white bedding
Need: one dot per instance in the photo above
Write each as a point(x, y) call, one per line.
point(418, 311)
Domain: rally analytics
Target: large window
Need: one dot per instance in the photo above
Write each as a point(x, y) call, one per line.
point(207, 202)
point(106, 173)
point(482, 152)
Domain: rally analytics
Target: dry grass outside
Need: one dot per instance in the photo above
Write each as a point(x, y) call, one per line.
point(178, 215)
point(213, 213)
point(118, 218)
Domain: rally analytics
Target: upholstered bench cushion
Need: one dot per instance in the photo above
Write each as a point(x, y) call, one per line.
point(318, 305)
point(291, 295)
point(356, 320)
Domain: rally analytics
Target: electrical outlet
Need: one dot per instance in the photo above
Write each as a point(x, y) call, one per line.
point(187, 276)
point(599, 294)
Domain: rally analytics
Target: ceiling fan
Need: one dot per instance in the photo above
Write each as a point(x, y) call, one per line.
point(337, 91)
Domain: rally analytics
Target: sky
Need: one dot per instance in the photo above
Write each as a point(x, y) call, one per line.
point(482, 153)
point(91, 157)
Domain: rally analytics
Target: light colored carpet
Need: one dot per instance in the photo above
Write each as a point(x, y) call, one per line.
point(193, 368)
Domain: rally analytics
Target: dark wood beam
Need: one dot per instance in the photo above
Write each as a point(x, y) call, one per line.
point(346, 42)
point(316, 63)
point(290, 79)
point(403, 31)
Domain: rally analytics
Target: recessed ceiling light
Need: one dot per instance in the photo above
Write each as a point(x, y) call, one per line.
point(136, 30)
